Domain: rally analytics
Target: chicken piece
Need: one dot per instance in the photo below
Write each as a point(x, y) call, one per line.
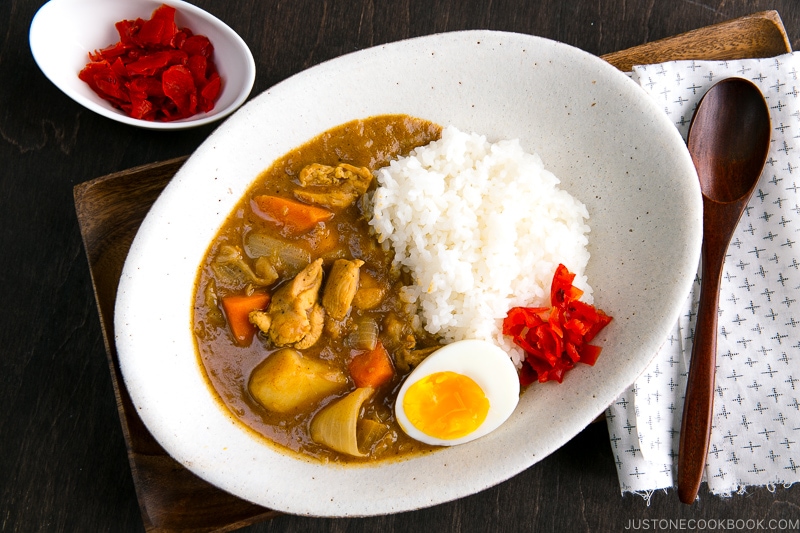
point(260, 319)
point(409, 359)
point(333, 187)
point(399, 333)
point(318, 174)
point(341, 287)
point(335, 329)
point(317, 321)
point(370, 293)
point(293, 306)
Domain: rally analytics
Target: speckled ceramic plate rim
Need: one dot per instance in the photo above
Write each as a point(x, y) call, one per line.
point(598, 131)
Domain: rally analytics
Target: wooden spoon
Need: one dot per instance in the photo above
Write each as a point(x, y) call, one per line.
point(728, 140)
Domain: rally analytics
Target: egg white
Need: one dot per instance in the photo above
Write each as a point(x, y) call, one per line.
point(486, 364)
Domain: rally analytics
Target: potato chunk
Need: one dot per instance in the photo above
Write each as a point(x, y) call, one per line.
point(286, 381)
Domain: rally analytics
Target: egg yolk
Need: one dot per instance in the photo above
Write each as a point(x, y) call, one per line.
point(446, 405)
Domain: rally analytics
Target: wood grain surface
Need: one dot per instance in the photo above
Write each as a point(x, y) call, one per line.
point(110, 210)
point(64, 465)
point(757, 35)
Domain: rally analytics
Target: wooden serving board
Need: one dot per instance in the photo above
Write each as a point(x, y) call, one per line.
point(111, 208)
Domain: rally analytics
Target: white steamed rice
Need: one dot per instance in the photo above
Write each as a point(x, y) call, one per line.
point(482, 227)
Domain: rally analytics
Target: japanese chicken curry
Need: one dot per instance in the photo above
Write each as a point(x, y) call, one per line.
point(299, 318)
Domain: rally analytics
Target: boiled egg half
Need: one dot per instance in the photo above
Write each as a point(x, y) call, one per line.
point(459, 393)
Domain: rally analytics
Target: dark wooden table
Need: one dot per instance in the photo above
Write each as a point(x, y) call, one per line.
point(63, 464)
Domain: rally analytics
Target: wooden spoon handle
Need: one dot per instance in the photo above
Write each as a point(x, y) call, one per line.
point(699, 402)
point(719, 223)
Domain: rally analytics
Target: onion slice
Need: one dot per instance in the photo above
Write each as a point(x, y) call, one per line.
point(335, 426)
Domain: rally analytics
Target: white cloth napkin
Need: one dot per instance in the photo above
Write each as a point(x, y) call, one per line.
point(755, 437)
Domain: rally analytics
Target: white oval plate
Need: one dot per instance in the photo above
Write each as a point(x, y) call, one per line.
point(612, 147)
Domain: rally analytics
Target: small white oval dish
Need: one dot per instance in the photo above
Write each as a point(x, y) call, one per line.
point(63, 32)
point(611, 146)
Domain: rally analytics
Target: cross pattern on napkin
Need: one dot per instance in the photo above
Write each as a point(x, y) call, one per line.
point(755, 436)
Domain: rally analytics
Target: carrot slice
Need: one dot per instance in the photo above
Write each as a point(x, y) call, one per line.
point(372, 368)
point(293, 217)
point(237, 309)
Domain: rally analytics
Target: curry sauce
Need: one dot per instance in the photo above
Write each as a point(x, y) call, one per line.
point(335, 256)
